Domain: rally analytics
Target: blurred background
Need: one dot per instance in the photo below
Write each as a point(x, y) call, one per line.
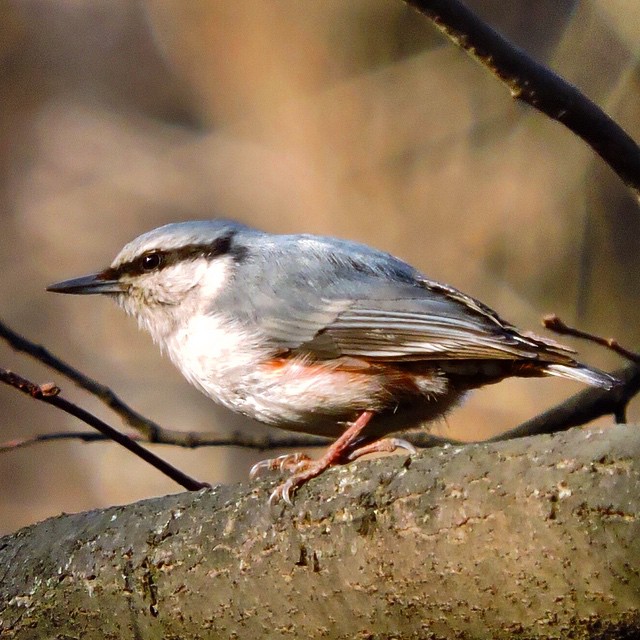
point(354, 119)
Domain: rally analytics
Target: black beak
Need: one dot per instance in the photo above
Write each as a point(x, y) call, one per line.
point(95, 283)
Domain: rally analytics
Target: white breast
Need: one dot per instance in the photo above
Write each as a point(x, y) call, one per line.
point(215, 355)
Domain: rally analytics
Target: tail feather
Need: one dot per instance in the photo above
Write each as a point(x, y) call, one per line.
point(580, 373)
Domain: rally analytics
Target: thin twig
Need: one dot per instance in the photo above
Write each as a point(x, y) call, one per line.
point(538, 86)
point(151, 431)
point(617, 401)
point(50, 394)
point(154, 433)
point(194, 440)
point(554, 323)
point(577, 410)
point(83, 436)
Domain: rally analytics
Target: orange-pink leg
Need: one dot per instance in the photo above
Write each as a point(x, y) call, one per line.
point(337, 453)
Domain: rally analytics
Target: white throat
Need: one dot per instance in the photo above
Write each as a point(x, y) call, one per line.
point(165, 302)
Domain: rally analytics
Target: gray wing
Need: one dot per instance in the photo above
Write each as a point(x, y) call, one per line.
point(329, 299)
point(420, 326)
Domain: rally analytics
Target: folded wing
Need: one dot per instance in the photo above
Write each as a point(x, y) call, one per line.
point(329, 298)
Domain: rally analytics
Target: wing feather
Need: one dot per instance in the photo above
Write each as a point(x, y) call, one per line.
point(410, 335)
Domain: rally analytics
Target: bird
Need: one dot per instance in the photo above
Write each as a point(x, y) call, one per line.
point(317, 334)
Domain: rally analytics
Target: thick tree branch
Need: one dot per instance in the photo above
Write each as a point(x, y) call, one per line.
point(530, 538)
point(538, 86)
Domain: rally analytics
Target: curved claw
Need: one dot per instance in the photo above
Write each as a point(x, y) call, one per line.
point(284, 492)
point(386, 445)
point(399, 443)
point(257, 468)
point(270, 464)
point(292, 462)
point(304, 469)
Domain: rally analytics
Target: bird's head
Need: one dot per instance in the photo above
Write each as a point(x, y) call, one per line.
point(166, 276)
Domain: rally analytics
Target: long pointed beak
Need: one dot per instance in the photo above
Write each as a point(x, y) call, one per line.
point(94, 283)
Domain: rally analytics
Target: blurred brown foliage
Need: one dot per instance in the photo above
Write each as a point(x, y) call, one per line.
point(354, 119)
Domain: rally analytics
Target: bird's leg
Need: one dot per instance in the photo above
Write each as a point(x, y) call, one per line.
point(337, 453)
point(386, 445)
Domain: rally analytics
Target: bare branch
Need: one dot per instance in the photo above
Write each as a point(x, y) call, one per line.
point(538, 86)
point(554, 323)
point(577, 410)
point(195, 439)
point(151, 431)
point(83, 436)
point(50, 394)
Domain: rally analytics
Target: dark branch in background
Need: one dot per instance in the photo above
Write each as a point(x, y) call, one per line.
point(50, 394)
point(82, 436)
point(152, 432)
point(186, 439)
point(581, 408)
point(538, 86)
point(576, 410)
point(196, 440)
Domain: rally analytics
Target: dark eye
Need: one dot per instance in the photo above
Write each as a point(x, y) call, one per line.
point(151, 261)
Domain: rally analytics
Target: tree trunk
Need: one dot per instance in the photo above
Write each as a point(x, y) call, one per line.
point(531, 538)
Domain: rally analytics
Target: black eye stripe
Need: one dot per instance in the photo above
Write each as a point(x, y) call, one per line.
point(156, 260)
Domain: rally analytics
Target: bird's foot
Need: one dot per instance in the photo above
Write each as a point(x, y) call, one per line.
point(289, 462)
point(304, 468)
point(301, 473)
